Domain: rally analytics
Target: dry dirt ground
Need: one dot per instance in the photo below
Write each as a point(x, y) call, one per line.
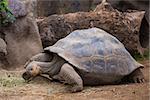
point(13, 87)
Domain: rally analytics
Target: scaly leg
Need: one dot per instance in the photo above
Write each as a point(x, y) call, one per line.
point(41, 57)
point(71, 77)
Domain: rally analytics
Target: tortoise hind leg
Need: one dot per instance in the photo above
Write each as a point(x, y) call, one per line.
point(71, 77)
point(135, 77)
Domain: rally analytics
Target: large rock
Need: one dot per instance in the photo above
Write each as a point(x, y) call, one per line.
point(22, 7)
point(22, 37)
point(3, 52)
point(49, 7)
point(18, 8)
point(23, 41)
point(3, 47)
point(124, 5)
point(125, 26)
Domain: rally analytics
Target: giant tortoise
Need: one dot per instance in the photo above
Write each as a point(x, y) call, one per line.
point(86, 57)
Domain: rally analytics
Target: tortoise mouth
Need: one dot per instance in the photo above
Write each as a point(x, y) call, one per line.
point(27, 76)
point(2, 54)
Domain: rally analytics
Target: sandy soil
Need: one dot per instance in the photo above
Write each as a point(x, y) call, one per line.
point(13, 87)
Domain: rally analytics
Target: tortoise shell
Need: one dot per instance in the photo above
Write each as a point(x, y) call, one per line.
point(95, 51)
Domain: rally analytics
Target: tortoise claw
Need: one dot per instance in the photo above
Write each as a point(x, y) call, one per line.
point(138, 79)
point(136, 76)
point(75, 88)
point(142, 80)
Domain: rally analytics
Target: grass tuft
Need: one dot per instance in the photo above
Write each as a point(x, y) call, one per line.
point(11, 81)
point(140, 57)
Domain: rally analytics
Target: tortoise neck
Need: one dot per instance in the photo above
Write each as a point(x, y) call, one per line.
point(52, 68)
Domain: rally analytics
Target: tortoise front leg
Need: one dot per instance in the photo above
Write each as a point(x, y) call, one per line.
point(41, 57)
point(71, 77)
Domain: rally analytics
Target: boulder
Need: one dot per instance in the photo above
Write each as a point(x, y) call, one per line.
point(3, 47)
point(23, 41)
point(49, 7)
point(22, 37)
point(123, 25)
point(22, 7)
point(143, 5)
point(18, 8)
point(3, 53)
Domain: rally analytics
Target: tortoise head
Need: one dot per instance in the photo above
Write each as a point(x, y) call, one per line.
point(32, 70)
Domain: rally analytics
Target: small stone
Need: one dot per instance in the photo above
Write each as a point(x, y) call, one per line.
point(133, 92)
point(8, 75)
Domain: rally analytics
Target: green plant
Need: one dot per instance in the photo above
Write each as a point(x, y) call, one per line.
point(11, 81)
point(140, 57)
point(6, 16)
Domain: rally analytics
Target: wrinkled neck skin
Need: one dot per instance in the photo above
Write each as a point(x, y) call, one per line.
point(51, 68)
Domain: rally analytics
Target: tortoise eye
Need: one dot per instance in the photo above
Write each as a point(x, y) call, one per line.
point(31, 69)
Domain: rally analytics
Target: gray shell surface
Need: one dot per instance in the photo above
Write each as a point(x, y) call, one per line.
point(95, 51)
